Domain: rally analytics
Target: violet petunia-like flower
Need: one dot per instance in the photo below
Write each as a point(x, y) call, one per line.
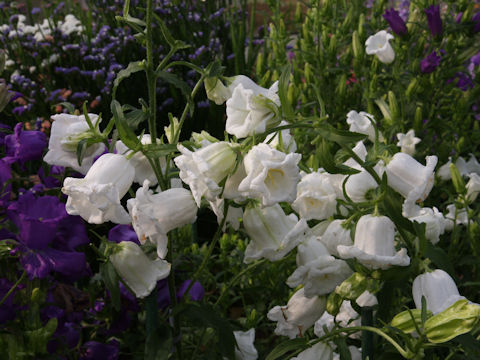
point(395, 21)
point(434, 20)
point(22, 146)
point(121, 233)
point(430, 63)
point(196, 292)
point(48, 236)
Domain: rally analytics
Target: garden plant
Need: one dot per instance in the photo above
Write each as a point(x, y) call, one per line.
point(240, 180)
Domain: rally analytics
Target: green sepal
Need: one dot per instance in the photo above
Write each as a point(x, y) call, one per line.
point(125, 133)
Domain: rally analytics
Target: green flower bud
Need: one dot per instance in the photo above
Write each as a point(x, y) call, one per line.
point(393, 104)
point(260, 63)
point(308, 73)
point(458, 319)
point(332, 46)
point(411, 89)
point(457, 179)
point(37, 296)
point(353, 287)
point(342, 85)
point(334, 301)
point(298, 13)
point(405, 323)
point(361, 23)
point(418, 120)
point(357, 46)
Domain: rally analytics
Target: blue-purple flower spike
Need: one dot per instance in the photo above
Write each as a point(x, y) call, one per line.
point(434, 20)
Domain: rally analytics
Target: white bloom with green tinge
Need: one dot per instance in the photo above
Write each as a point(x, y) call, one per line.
point(67, 131)
point(251, 108)
point(272, 175)
point(379, 45)
point(407, 142)
point(205, 168)
point(272, 233)
point(319, 351)
point(137, 270)
point(154, 215)
point(300, 313)
point(96, 197)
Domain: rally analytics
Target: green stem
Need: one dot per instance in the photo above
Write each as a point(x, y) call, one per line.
point(369, 169)
point(13, 288)
point(151, 78)
point(173, 303)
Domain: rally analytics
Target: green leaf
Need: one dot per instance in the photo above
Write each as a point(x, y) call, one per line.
point(404, 321)
point(134, 117)
point(328, 132)
point(158, 150)
point(111, 279)
point(215, 69)
point(283, 91)
point(287, 346)
point(178, 83)
point(69, 106)
point(133, 67)
point(126, 8)
point(342, 348)
point(158, 345)
point(470, 345)
point(126, 134)
point(38, 338)
point(81, 149)
point(393, 208)
point(328, 163)
point(439, 257)
point(206, 315)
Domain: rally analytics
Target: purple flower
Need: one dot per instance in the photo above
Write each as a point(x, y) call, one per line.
point(48, 236)
point(196, 292)
point(430, 63)
point(94, 350)
point(121, 233)
point(434, 19)
point(395, 21)
point(22, 145)
point(476, 21)
point(52, 179)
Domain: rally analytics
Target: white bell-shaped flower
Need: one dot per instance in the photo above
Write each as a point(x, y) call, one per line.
point(358, 185)
point(326, 321)
point(317, 270)
point(348, 317)
point(410, 178)
point(361, 151)
point(282, 140)
point(205, 168)
point(335, 235)
point(272, 233)
point(231, 185)
point(366, 299)
point(355, 353)
point(66, 132)
point(154, 215)
point(96, 197)
point(433, 219)
point(455, 216)
point(137, 270)
point(298, 315)
point(251, 108)
point(143, 169)
point(362, 123)
point(473, 187)
point(245, 349)
point(319, 351)
point(438, 288)
point(374, 244)
point(316, 197)
point(272, 175)
point(379, 45)
point(407, 142)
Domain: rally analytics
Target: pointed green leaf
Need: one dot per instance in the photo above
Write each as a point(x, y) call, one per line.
point(111, 279)
point(133, 67)
point(286, 347)
point(283, 91)
point(126, 134)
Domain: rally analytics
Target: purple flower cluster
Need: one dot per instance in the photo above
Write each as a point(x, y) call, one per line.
point(430, 63)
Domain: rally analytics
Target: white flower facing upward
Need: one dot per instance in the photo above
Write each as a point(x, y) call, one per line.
point(137, 270)
point(407, 142)
point(272, 175)
point(96, 197)
point(205, 168)
point(143, 169)
point(374, 244)
point(298, 315)
point(67, 131)
point(316, 197)
point(251, 109)
point(379, 45)
point(438, 288)
point(245, 349)
point(335, 235)
point(272, 233)
point(362, 123)
point(410, 178)
point(319, 351)
point(320, 272)
point(154, 215)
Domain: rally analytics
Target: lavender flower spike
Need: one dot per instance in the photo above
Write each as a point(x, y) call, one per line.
point(430, 63)
point(434, 20)
point(395, 21)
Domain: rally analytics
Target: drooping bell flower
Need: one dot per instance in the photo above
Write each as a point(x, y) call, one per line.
point(317, 270)
point(138, 271)
point(430, 63)
point(245, 349)
point(66, 132)
point(319, 351)
point(22, 146)
point(272, 233)
point(272, 175)
point(374, 244)
point(205, 168)
point(96, 197)
point(379, 45)
point(300, 313)
point(438, 288)
point(395, 21)
point(362, 123)
point(154, 215)
point(335, 234)
point(434, 20)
